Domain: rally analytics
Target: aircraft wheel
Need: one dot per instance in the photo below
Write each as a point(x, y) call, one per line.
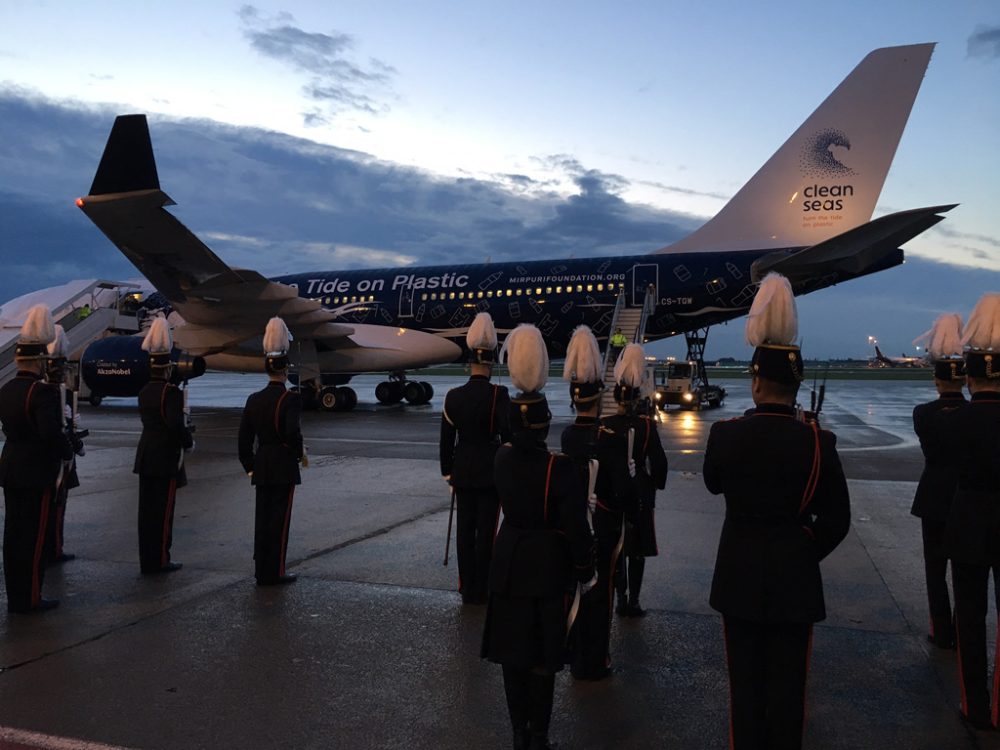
point(95, 399)
point(347, 398)
point(428, 391)
point(389, 392)
point(414, 392)
point(329, 399)
point(383, 392)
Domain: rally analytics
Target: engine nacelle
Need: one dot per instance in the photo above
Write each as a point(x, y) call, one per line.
point(118, 366)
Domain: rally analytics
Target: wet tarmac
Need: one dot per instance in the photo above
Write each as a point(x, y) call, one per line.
point(372, 647)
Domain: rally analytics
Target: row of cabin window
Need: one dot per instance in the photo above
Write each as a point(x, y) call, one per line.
point(489, 294)
point(538, 291)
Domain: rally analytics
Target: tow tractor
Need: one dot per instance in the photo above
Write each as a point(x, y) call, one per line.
point(677, 384)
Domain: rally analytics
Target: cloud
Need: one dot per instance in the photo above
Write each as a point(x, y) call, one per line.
point(985, 42)
point(336, 82)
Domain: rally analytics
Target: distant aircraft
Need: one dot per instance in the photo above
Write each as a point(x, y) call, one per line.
point(902, 361)
point(806, 213)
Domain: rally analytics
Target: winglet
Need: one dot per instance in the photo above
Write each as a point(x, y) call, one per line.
point(127, 163)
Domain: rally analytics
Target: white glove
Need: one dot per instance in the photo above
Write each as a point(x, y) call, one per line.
point(631, 468)
point(585, 587)
point(191, 449)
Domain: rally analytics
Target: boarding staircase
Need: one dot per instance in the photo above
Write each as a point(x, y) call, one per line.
point(631, 319)
point(107, 316)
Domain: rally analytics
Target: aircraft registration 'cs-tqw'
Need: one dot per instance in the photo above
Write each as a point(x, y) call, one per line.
point(806, 214)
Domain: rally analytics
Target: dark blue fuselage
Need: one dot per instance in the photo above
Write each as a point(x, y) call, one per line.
point(692, 291)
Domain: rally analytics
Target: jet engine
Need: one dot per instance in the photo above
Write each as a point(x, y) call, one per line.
point(118, 366)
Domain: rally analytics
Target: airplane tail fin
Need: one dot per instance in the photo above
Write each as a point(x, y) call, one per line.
point(828, 175)
point(127, 164)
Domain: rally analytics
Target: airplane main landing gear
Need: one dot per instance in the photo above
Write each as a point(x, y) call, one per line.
point(397, 388)
point(337, 398)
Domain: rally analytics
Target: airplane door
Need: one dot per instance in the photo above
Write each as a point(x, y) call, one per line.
point(406, 296)
point(644, 275)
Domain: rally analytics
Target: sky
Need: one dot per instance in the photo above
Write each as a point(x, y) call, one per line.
point(333, 135)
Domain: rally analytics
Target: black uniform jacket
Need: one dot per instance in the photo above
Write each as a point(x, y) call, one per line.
point(164, 433)
point(590, 438)
point(940, 476)
point(767, 569)
point(544, 543)
point(32, 416)
point(647, 452)
point(971, 434)
point(478, 414)
point(270, 440)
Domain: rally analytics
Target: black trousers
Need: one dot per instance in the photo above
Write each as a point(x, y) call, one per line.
point(54, 532)
point(156, 521)
point(936, 573)
point(476, 526)
point(26, 517)
point(270, 532)
point(768, 664)
point(591, 650)
point(529, 701)
point(972, 584)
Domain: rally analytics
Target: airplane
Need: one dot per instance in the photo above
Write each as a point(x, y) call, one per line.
point(806, 214)
point(902, 361)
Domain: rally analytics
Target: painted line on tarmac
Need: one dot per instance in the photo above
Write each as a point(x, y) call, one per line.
point(20, 739)
point(309, 438)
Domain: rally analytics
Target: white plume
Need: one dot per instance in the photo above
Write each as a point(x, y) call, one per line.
point(158, 339)
point(944, 339)
point(630, 369)
point(38, 327)
point(59, 346)
point(773, 319)
point(982, 331)
point(276, 336)
point(526, 357)
point(482, 334)
point(583, 357)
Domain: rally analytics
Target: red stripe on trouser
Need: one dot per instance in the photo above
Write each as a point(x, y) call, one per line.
point(996, 680)
point(168, 517)
point(36, 560)
point(284, 532)
point(805, 682)
point(59, 522)
point(729, 667)
point(961, 676)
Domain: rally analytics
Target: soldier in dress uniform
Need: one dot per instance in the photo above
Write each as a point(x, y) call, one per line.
point(610, 490)
point(56, 375)
point(938, 480)
point(270, 449)
point(972, 532)
point(542, 550)
point(787, 507)
point(474, 422)
point(650, 461)
point(33, 455)
point(159, 457)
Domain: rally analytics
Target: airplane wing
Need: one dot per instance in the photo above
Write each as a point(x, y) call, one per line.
point(221, 306)
point(853, 250)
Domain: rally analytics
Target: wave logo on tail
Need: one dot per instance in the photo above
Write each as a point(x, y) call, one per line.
point(817, 159)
